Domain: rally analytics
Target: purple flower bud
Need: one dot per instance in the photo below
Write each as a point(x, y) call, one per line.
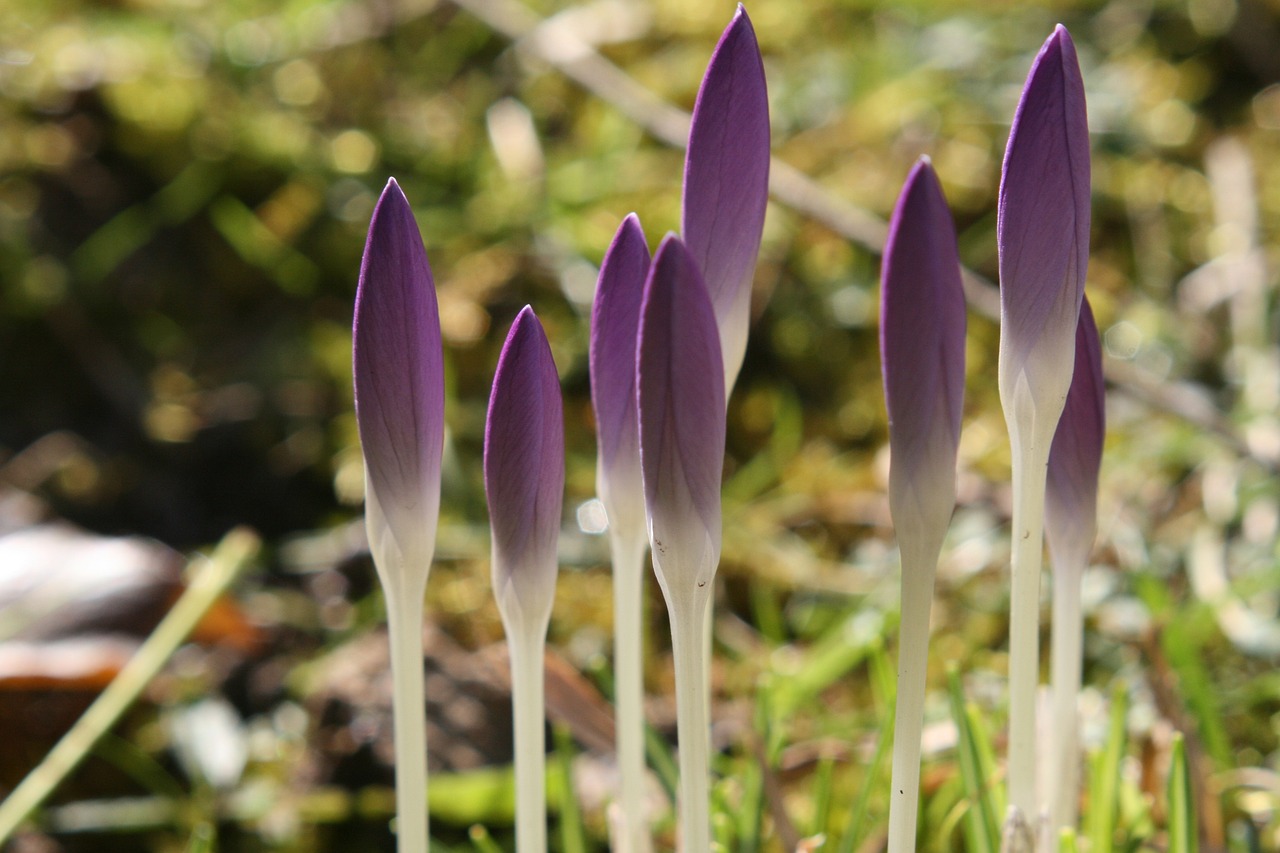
point(615, 322)
point(1043, 224)
point(524, 472)
point(399, 386)
point(726, 182)
point(680, 394)
point(1071, 493)
point(922, 328)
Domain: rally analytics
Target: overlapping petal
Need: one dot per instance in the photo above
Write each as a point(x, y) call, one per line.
point(615, 322)
point(1071, 491)
point(680, 393)
point(726, 182)
point(399, 384)
point(1043, 217)
point(922, 329)
point(524, 470)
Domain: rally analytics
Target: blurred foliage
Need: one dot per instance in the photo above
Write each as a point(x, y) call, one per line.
point(184, 189)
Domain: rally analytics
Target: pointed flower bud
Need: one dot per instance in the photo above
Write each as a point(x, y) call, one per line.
point(680, 393)
point(1043, 227)
point(399, 388)
point(1071, 492)
point(524, 474)
point(615, 321)
point(726, 182)
point(922, 328)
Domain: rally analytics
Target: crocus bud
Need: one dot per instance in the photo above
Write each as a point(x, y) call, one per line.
point(1071, 489)
point(680, 394)
point(1043, 233)
point(615, 321)
point(922, 328)
point(524, 474)
point(726, 183)
point(399, 388)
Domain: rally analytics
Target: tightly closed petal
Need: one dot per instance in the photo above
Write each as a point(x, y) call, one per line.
point(680, 389)
point(726, 182)
point(524, 471)
point(1071, 493)
point(615, 322)
point(922, 328)
point(399, 383)
point(1043, 218)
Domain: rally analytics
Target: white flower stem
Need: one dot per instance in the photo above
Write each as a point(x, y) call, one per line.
point(1066, 655)
point(529, 711)
point(1030, 460)
point(628, 664)
point(688, 616)
point(408, 709)
point(919, 565)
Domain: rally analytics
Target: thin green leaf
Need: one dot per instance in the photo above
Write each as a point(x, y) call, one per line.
point(1182, 817)
point(1104, 783)
point(573, 833)
point(982, 831)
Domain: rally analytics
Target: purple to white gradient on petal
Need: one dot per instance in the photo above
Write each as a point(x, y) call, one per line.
point(1043, 216)
point(726, 182)
point(1071, 493)
point(399, 380)
point(615, 323)
point(922, 329)
point(680, 393)
point(524, 471)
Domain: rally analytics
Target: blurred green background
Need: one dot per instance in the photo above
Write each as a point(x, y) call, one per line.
point(184, 190)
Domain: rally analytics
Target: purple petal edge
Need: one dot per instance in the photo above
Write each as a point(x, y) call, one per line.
point(1043, 216)
point(524, 457)
point(681, 400)
point(1075, 457)
point(922, 330)
point(397, 366)
point(726, 181)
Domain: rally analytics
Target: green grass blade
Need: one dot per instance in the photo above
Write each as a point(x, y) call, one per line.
point(982, 830)
point(662, 761)
point(1182, 818)
point(821, 795)
point(573, 834)
point(1104, 783)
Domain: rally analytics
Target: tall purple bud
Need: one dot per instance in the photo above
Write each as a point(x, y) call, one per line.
point(1043, 234)
point(399, 388)
point(681, 398)
point(524, 482)
point(524, 473)
point(922, 327)
point(399, 395)
point(615, 324)
point(1071, 522)
point(726, 183)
